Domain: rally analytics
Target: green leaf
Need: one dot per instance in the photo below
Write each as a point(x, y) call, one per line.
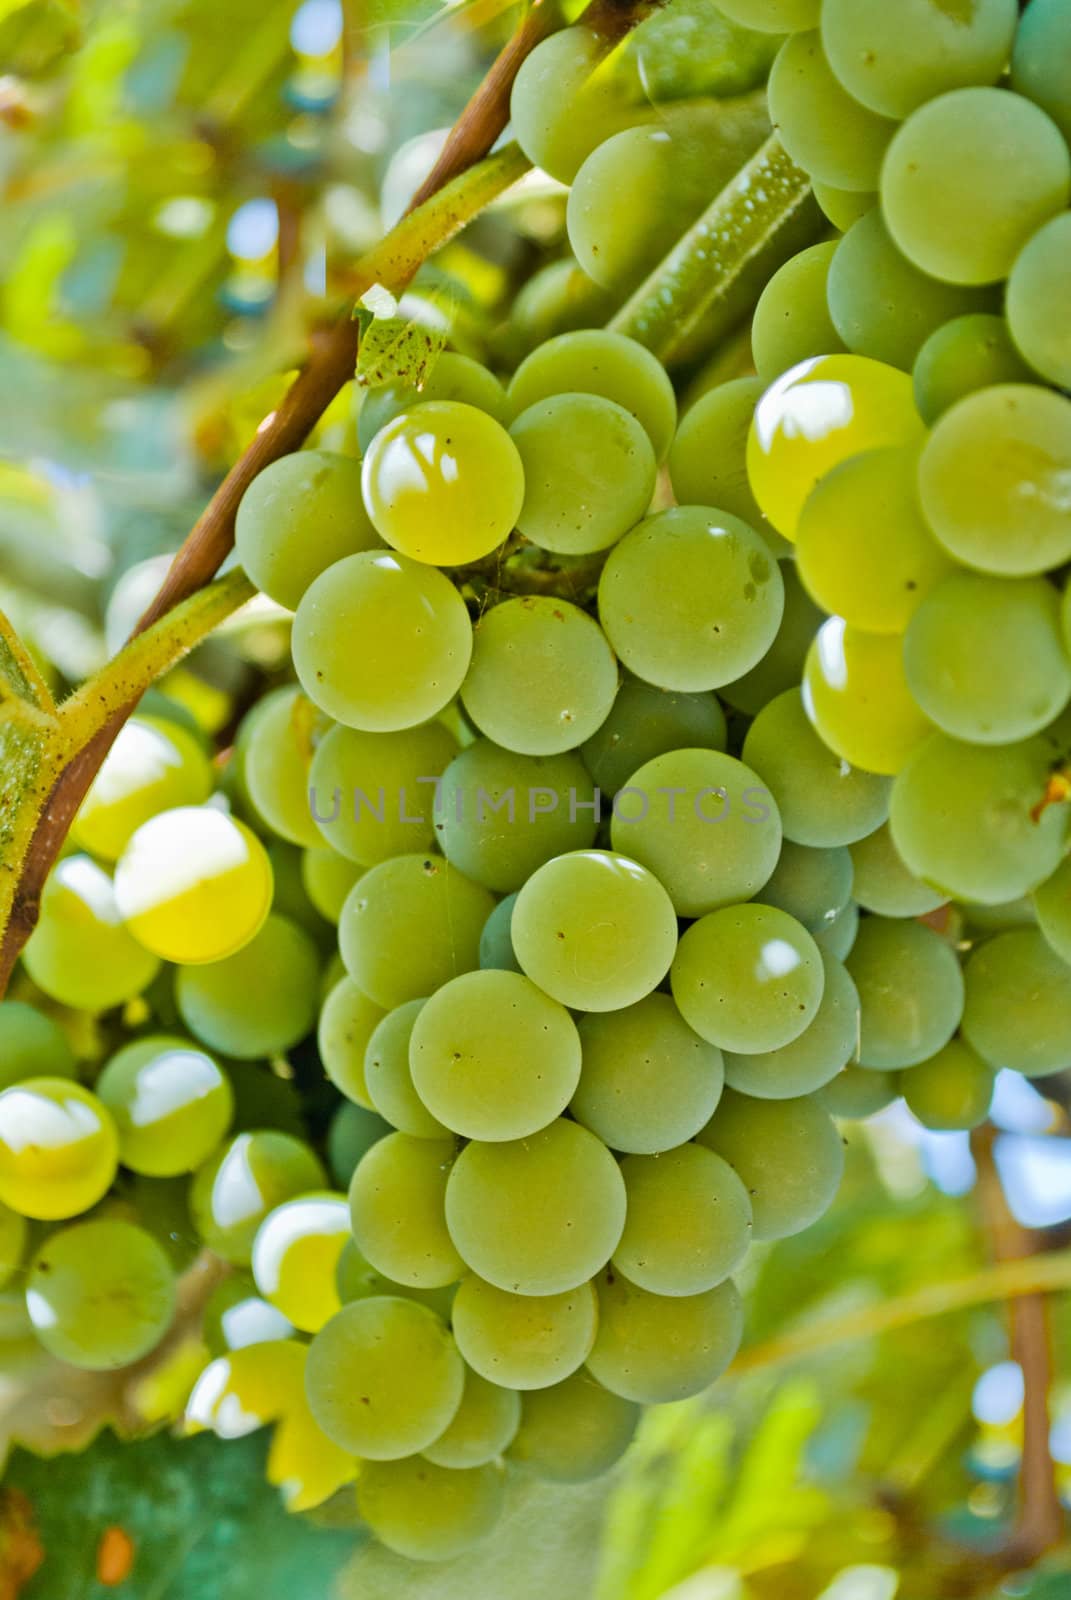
point(395, 351)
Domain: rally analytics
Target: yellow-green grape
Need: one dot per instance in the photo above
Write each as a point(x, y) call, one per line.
point(453, 377)
point(1017, 1011)
point(838, 938)
point(443, 483)
point(328, 878)
point(896, 58)
point(357, 1279)
point(791, 321)
point(1052, 904)
point(857, 1092)
point(542, 678)
point(856, 694)
point(500, 815)
point(748, 978)
point(1041, 62)
point(863, 549)
point(286, 727)
point(574, 1430)
point(815, 416)
point(260, 1001)
point(526, 1341)
point(688, 1224)
point(882, 881)
point(589, 472)
point(773, 16)
point(59, 1148)
point(703, 823)
point(960, 219)
point(235, 1317)
point(812, 885)
point(416, 641)
point(409, 925)
point(788, 1154)
point(397, 1213)
point(32, 1045)
point(691, 599)
point(992, 479)
point(295, 1254)
point(693, 49)
point(986, 659)
point(289, 898)
point(372, 795)
point(815, 1056)
point(81, 952)
point(347, 1021)
point(597, 361)
point(193, 884)
point(910, 991)
point(496, 940)
point(648, 1081)
point(152, 766)
point(781, 668)
point(483, 1427)
point(567, 98)
point(966, 354)
point(645, 722)
point(654, 1348)
point(842, 207)
point(301, 514)
point(352, 1130)
point(537, 1215)
point(234, 1191)
point(388, 1078)
point(493, 1057)
point(595, 930)
point(13, 1236)
point(384, 1378)
point(100, 1294)
point(827, 132)
point(428, 1512)
point(707, 464)
point(951, 1091)
point(822, 800)
point(172, 1104)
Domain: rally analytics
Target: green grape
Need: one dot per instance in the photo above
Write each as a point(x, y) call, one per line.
point(645, 722)
point(259, 1002)
point(59, 1148)
point(863, 549)
point(1052, 904)
point(500, 815)
point(910, 991)
point(812, 885)
point(748, 978)
point(357, 1279)
point(589, 472)
point(993, 479)
point(347, 1021)
point(453, 377)
point(842, 207)
point(352, 1130)
point(299, 516)
point(32, 1045)
point(286, 728)
point(791, 321)
point(14, 1233)
point(856, 694)
point(653, 1348)
point(483, 1427)
point(328, 878)
point(963, 818)
point(397, 1210)
point(290, 900)
point(893, 59)
point(961, 219)
point(443, 483)
point(648, 1081)
point(295, 1254)
point(857, 1092)
point(373, 794)
point(496, 940)
point(688, 1223)
point(815, 1056)
point(985, 658)
point(1017, 1011)
point(538, 1215)
point(388, 1078)
point(81, 953)
point(703, 823)
point(152, 766)
point(542, 678)
point(235, 1317)
point(691, 48)
point(707, 464)
point(773, 16)
point(883, 883)
point(172, 1104)
point(594, 929)
point(838, 938)
point(527, 1341)
point(964, 355)
point(236, 1189)
point(821, 799)
point(787, 1153)
point(567, 98)
point(691, 599)
point(558, 298)
point(493, 1057)
point(597, 361)
point(573, 1431)
point(383, 1378)
point(781, 668)
point(1041, 60)
point(1038, 303)
point(952, 1091)
point(409, 925)
point(416, 641)
point(817, 415)
point(193, 885)
point(100, 1294)
point(825, 131)
point(427, 1512)
point(1021, 913)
